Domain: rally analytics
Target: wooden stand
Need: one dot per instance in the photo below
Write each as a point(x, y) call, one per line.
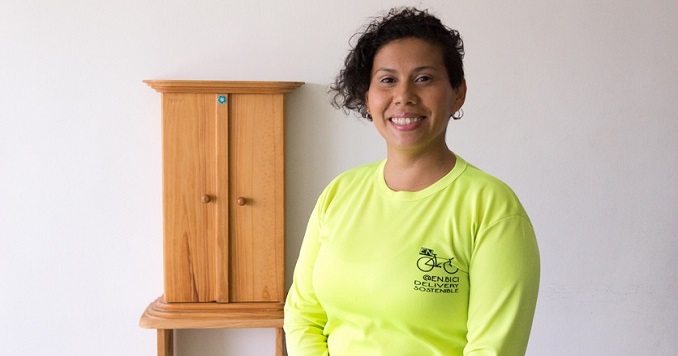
point(169, 316)
point(223, 199)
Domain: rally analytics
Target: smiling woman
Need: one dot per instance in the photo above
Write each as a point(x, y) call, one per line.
point(365, 281)
point(411, 100)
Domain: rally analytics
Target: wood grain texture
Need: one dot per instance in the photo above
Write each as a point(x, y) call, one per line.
point(257, 175)
point(190, 172)
point(223, 197)
point(165, 342)
point(221, 238)
point(279, 342)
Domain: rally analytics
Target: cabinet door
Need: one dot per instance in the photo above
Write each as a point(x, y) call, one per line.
point(256, 224)
point(224, 197)
point(195, 183)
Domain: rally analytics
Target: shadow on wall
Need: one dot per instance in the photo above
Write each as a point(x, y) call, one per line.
point(321, 142)
point(308, 161)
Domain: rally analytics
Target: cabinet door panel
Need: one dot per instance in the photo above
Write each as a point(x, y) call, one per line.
point(257, 220)
point(190, 188)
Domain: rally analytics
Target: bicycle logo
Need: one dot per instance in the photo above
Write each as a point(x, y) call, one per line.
point(429, 260)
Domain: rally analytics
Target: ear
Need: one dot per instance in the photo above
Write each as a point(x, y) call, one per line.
point(460, 96)
point(367, 104)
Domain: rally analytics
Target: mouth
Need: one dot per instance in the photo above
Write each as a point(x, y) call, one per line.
point(406, 120)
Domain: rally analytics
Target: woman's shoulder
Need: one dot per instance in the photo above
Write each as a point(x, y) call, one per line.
point(476, 178)
point(354, 181)
point(488, 191)
point(356, 175)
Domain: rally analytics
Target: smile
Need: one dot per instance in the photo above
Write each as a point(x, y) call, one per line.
point(406, 120)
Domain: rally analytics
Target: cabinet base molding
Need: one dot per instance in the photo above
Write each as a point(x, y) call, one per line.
point(166, 317)
point(162, 315)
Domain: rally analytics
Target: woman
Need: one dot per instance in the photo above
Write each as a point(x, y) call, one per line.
point(422, 253)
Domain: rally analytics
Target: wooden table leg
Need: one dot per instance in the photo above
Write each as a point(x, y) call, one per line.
point(279, 341)
point(165, 342)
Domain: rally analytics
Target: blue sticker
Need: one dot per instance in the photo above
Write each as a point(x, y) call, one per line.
point(222, 99)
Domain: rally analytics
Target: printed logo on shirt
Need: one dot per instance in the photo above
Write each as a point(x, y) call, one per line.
point(428, 283)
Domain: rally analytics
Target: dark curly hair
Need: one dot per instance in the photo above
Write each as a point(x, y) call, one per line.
point(353, 81)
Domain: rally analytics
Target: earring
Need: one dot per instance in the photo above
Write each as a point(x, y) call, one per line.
point(458, 115)
point(366, 115)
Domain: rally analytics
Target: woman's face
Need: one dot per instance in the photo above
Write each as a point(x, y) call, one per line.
point(410, 96)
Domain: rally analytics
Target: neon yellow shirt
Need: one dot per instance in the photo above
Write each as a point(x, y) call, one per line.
point(452, 269)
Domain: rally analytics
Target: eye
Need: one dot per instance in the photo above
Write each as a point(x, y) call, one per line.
point(387, 80)
point(423, 78)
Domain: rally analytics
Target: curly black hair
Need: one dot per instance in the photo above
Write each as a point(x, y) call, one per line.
point(353, 81)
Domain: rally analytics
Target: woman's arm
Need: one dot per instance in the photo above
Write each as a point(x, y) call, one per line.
point(304, 316)
point(504, 281)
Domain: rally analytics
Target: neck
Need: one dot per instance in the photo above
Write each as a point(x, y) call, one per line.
point(414, 172)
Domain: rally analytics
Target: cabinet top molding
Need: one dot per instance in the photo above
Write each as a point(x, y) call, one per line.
point(222, 87)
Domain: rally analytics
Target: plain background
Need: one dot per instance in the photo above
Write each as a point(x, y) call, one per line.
point(572, 103)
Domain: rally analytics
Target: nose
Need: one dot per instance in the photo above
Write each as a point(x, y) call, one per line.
point(405, 94)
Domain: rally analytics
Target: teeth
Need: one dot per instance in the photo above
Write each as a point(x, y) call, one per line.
point(406, 120)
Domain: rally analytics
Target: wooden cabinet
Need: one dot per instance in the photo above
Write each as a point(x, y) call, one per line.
point(223, 201)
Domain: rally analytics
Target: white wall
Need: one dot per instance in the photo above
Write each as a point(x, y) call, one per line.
point(573, 103)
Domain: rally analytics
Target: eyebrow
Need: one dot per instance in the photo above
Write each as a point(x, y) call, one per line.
point(417, 69)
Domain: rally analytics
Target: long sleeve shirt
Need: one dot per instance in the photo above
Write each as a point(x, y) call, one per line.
point(452, 269)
